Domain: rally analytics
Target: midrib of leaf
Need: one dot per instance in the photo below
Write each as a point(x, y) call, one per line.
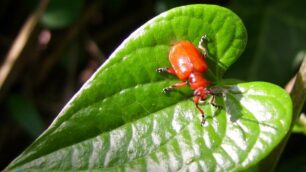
point(186, 128)
point(183, 129)
point(105, 99)
point(127, 124)
point(171, 138)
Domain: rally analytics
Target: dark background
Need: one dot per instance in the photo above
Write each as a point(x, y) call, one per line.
point(74, 37)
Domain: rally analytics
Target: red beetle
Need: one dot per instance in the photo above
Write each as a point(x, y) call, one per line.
point(189, 64)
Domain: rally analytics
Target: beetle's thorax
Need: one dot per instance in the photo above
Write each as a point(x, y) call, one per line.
point(196, 80)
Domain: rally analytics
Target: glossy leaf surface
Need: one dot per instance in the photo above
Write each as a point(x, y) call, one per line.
point(120, 120)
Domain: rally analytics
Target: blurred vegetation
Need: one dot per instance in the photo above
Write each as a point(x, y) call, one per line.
point(53, 47)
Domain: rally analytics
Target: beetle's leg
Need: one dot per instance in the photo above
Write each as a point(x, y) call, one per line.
point(165, 69)
point(214, 93)
point(212, 102)
point(176, 85)
point(201, 45)
point(196, 100)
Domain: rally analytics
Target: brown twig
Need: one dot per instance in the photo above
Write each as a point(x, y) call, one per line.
point(298, 93)
point(20, 42)
point(298, 96)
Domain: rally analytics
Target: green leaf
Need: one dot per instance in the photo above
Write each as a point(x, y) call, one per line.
point(26, 115)
point(120, 120)
point(300, 125)
point(60, 14)
point(277, 34)
point(255, 118)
